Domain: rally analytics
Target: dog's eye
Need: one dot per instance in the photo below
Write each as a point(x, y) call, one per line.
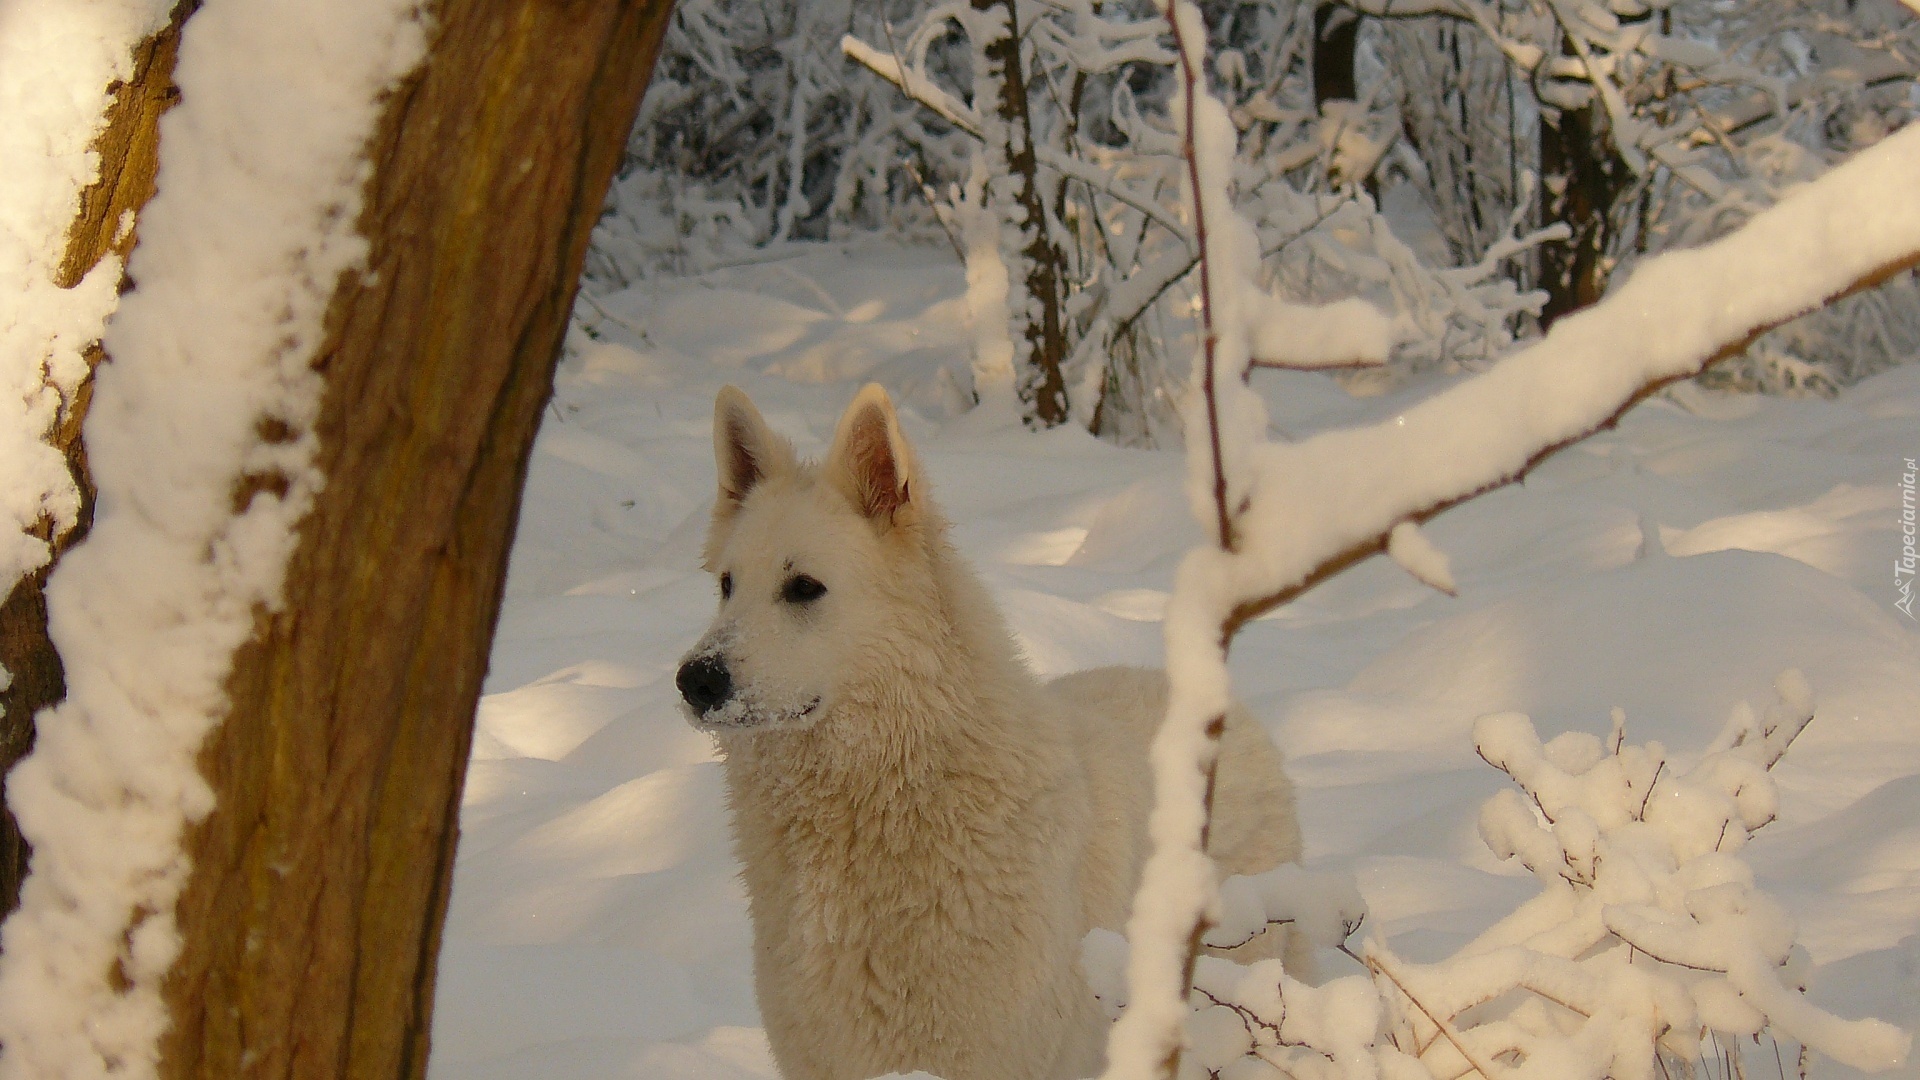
point(800, 589)
point(726, 586)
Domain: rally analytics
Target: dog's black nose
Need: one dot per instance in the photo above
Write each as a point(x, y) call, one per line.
point(705, 683)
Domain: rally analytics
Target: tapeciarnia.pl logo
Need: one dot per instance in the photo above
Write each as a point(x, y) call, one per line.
point(1903, 567)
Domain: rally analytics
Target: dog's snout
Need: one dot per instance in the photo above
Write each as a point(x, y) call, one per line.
point(705, 682)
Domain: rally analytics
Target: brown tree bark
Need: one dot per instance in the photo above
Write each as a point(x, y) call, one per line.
point(1585, 183)
point(129, 152)
point(1041, 382)
point(1583, 177)
point(312, 918)
point(1336, 38)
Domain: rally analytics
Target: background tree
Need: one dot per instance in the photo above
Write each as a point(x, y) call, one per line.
point(1099, 77)
point(1647, 126)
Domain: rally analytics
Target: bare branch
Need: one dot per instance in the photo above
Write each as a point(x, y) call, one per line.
point(1107, 184)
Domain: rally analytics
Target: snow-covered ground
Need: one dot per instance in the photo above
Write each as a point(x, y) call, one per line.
point(1671, 567)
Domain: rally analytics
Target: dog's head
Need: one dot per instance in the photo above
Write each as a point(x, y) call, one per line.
point(817, 565)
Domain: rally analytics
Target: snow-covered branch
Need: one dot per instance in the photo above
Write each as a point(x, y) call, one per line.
point(1849, 230)
point(912, 82)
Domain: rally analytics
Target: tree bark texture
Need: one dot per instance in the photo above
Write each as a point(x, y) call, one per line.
point(1583, 178)
point(312, 918)
point(128, 147)
point(1042, 383)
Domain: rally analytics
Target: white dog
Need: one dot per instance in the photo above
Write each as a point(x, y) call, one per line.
point(927, 831)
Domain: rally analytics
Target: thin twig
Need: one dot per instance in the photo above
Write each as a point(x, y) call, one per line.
point(1648, 797)
point(1210, 339)
point(1257, 933)
point(1377, 961)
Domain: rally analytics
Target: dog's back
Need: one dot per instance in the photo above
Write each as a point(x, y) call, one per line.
point(1115, 713)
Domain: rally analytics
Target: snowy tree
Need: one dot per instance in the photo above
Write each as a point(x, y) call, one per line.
point(757, 130)
point(1282, 517)
point(1635, 127)
point(308, 438)
point(1648, 125)
point(1099, 77)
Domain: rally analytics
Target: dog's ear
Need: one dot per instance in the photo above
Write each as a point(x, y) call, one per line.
point(872, 463)
point(746, 449)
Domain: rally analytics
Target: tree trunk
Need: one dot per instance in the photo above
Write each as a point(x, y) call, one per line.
point(1041, 382)
point(1336, 44)
point(128, 147)
point(1336, 37)
point(1583, 176)
point(312, 918)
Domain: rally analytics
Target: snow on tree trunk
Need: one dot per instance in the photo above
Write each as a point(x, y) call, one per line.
point(64, 218)
point(309, 445)
point(340, 772)
point(987, 289)
point(212, 354)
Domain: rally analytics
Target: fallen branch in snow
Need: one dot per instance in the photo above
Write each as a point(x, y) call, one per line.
point(1284, 517)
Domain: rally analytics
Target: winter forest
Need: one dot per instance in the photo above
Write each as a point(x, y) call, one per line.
point(1511, 403)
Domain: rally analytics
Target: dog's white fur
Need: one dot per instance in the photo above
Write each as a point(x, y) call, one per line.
point(927, 831)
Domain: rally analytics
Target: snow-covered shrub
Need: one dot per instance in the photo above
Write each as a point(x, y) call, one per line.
point(756, 129)
point(1647, 950)
point(659, 221)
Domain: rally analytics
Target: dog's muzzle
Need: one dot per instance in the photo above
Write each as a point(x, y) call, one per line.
point(705, 683)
